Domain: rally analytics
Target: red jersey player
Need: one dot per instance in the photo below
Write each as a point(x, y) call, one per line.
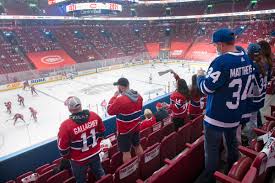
point(33, 90)
point(20, 100)
point(18, 116)
point(33, 113)
point(8, 106)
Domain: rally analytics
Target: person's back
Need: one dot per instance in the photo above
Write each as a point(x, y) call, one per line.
point(226, 87)
point(161, 114)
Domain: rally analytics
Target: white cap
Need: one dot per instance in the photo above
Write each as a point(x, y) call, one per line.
point(73, 102)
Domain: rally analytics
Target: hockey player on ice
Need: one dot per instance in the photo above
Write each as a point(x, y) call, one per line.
point(18, 116)
point(33, 113)
point(20, 99)
point(33, 90)
point(150, 78)
point(8, 106)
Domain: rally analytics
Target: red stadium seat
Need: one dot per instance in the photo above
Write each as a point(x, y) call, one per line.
point(143, 143)
point(106, 179)
point(112, 150)
point(128, 172)
point(39, 169)
point(116, 161)
point(167, 129)
point(59, 177)
point(11, 181)
point(112, 138)
point(145, 132)
point(183, 137)
point(19, 178)
point(156, 126)
point(44, 177)
point(154, 137)
point(250, 177)
point(168, 147)
point(57, 161)
point(150, 161)
point(197, 128)
point(70, 180)
point(259, 162)
point(167, 121)
point(106, 165)
point(46, 169)
point(240, 168)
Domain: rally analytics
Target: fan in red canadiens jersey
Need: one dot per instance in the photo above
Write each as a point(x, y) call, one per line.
point(79, 140)
point(126, 104)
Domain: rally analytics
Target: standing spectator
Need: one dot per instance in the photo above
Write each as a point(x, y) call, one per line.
point(126, 104)
point(179, 101)
point(79, 140)
point(258, 88)
point(268, 59)
point(225, 87)
point(161, 113)
point(194, 107)
point(149, 121)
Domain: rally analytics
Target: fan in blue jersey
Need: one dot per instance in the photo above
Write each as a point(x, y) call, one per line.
point(257, 90)
point(225, 85)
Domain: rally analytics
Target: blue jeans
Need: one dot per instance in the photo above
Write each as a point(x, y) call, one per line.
point(213, 138)
point(80, 171)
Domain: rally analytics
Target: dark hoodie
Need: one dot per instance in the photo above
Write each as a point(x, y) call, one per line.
point(80, 117)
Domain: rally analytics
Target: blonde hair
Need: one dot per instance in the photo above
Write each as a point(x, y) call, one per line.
point(148, 113)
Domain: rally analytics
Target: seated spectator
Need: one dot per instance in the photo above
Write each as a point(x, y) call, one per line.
point(161, 113)
point(149, 121)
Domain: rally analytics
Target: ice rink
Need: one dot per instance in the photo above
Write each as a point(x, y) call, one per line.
point(91, 89)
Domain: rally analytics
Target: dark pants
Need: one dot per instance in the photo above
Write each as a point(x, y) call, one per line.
point(126, 141)
point(212, 142)
point(259, 119)
point(179, 122)
point(80, 171)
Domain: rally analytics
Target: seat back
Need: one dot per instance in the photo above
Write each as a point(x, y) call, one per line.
point(19, 178)
point(156, 126)
point(70, 180)
point(150, 161)
point(260, 163)
point(168, 147)
point(112, 150)
point(106, 164)
point(153, 138)
point(145, 132)
point(240, 168)
point(183, 137)
point(44, 177)
point(46, 169)
point(59, 177)
point(128, 172)
point(167, 129)
point(197, 128)
point(39, 169)
point(116, 161)
point(106, 179)
point(57, 161)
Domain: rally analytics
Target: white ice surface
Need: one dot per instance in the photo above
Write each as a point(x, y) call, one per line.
point(91, 89)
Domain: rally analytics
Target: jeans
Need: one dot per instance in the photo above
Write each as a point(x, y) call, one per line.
point(80, 171)
point(213, 138)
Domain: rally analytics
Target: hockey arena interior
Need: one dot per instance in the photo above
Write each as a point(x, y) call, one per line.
point(61, 59)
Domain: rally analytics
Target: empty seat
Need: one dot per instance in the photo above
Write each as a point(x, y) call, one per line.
point(70, 180)
point(154, 137)
point(106, 179)
point(150, 161)
point(59, 177)
point(116, 161)
point(44, 177)
point(143, 143)
point(128, 172)
point(57, 161)
point(11, 181)
point(240, 168)
point(19, 178)
point(156, 126)
point(249, 177)
point(145, 132)
point(112, 150)
point(106, 165)
point(39, 169)
point(197, 128)
point(46, 169)
point(168, 147)
point(167, 129)
point(183, 137)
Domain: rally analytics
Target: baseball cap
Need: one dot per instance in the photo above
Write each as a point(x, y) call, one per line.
point(254, 49)
point(159, 105)
point(73, 102)
point(122, 82)
point(223, 35)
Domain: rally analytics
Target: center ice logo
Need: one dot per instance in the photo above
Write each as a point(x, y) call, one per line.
point(52, 59)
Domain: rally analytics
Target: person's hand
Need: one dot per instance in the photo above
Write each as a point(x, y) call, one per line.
point(200, 72)
point(116, 93)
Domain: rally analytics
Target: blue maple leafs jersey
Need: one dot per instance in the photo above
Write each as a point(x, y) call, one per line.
point(226, 86)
